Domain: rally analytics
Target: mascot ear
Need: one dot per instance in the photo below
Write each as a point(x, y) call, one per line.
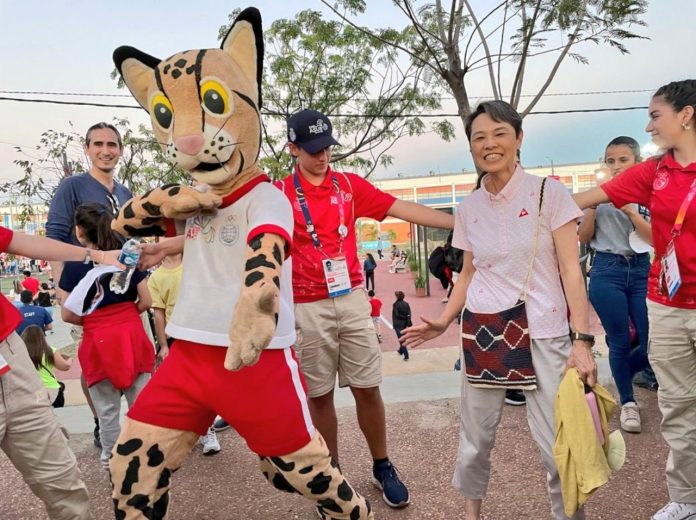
point(137, 70)
point(244, 43)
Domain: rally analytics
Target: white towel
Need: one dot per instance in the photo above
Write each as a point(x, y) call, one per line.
point(89, 293)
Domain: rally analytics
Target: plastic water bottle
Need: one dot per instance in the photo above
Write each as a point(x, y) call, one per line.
point(130, 254)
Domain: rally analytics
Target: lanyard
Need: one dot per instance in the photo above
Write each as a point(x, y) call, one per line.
point(681, 214)
point(342, 229)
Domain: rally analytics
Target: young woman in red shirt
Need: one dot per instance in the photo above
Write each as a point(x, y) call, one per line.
point(667, 186)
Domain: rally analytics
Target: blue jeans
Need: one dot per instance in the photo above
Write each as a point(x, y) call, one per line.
point(618, 288)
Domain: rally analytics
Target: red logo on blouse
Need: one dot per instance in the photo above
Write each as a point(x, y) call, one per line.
point(661, 180)
point(523, 213)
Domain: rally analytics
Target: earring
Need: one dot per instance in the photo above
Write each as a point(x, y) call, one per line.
point(686, 127)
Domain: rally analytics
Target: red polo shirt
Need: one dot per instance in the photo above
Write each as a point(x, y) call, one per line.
point(361, 199)
point(662, 185)
point(9, 316)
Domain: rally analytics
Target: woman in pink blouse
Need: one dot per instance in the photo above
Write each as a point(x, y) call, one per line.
point(496, 228)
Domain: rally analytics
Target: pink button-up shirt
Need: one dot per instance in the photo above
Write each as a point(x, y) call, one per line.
point(499, 231)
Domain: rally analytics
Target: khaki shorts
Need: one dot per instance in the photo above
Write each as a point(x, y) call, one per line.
point(337, 336)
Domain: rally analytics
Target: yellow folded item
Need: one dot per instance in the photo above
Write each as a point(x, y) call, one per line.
point(580, 458)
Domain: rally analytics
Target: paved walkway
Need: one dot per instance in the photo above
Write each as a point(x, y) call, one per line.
point(423, 416)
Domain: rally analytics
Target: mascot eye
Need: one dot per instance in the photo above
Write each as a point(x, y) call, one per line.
point(162, 110)
point(214, 97)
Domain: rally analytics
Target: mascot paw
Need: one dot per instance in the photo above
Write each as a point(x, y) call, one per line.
point(252, 329)
point(188, 202)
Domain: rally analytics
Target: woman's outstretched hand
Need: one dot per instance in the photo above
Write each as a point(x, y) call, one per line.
point(429, 329)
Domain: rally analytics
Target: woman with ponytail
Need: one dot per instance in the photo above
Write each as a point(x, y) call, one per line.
point(115, 354)
point(667, 186)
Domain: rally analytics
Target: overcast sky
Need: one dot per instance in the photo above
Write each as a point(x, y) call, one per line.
point(66, 46)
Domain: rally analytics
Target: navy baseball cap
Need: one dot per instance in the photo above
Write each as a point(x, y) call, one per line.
point(310, 130)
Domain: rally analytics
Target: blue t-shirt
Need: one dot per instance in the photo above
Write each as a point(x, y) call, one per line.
point(33, 315)
point(73, 272)
point(71, 193)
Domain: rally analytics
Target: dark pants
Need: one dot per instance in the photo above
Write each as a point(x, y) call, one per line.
point(618, 287)
point(379, 252)
point(369, 277)
point(402, 348)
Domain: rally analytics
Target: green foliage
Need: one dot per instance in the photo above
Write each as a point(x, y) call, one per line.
point(371, 94)
point(419, 282)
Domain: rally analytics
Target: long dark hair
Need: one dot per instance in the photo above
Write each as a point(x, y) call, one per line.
point(679, 94)
point(37, 347)
point(95, 222)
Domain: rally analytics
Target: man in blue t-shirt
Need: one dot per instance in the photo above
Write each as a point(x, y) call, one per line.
point(104, 147)
point(33, 314)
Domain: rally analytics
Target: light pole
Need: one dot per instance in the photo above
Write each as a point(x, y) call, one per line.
point(553, 172)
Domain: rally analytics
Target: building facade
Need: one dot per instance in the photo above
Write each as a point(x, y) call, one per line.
point(445, 191)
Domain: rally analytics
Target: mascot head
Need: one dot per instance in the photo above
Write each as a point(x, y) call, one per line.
point(204, 104)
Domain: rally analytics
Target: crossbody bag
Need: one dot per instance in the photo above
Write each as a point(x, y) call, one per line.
point(496, 347)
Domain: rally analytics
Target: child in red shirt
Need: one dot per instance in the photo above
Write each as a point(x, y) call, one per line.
point(376, 313)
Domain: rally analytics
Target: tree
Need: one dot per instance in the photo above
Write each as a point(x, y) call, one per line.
point(60, 154)
point(450, 43)
point(373, 96)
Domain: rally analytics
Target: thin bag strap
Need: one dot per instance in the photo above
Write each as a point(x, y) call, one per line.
point(523, 295)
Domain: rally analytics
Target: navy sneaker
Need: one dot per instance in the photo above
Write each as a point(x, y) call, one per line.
point(394, 491)
point(220, 425)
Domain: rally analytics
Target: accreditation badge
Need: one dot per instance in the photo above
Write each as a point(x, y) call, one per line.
point(670, 271)
point(337, 276)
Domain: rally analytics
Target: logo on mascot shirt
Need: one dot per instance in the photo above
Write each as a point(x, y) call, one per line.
point(661, 180)
point(229, 234)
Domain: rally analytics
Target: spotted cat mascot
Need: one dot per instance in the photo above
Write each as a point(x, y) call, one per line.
point(235, 292)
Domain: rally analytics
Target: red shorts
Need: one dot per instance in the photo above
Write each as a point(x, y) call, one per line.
point(266, 403)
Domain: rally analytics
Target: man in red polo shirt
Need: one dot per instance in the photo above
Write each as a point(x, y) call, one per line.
point(335, 333)
point(30, 433)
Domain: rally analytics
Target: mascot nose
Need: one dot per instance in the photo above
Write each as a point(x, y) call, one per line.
point(189, 144)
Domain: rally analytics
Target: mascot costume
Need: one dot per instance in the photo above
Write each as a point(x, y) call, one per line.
point(233, 320)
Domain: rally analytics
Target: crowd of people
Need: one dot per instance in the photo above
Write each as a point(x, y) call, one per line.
point(519, 236)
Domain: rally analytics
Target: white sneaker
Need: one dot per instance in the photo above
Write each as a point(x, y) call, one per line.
point(630, 418)
point(676, 511)
point(211, 446)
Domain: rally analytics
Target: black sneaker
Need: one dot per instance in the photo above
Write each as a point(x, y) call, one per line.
point(394, 491)
point(220, 425)
point(97, 438)
point(515, 398)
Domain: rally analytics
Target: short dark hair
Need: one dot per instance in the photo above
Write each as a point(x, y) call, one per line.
point(626, 141)
point(26, 297)
point(103, 126)
point(399, 295)
point(44, 285)
point(26, 272)
point(499, 111)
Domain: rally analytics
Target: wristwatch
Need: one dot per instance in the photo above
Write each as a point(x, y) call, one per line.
point(88, 256)
point(580, 336)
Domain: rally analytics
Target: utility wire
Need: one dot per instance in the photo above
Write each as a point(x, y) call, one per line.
point(271, 113)
point(553, 94)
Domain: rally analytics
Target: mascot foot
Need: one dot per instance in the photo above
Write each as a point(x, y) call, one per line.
point(311, 472)
point(141, 465)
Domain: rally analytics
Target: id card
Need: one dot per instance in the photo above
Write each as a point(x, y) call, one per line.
point(337, 276)
point(4, 366)
point(670, 271)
